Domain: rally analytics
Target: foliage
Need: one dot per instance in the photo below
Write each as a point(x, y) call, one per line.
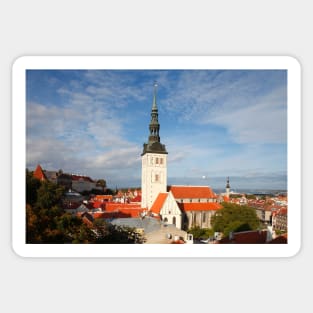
point(203, 233)
point(46, 221)
point(49, 195)
point(54, 226)
point(251, 197)
point(102, 183)
point(32, 184)
point(235, 218)
point(112, 234)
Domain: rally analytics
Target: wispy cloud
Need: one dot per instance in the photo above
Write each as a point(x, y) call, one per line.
point(214, 123)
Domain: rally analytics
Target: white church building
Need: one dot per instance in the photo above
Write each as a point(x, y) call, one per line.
point(182, 206)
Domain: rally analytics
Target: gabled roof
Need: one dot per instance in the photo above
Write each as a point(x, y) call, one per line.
point(192, 192)
point(39, 174)
point(208, 206)
point(158, 203)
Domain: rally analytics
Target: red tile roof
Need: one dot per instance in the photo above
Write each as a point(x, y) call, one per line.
point(124, 209)
point(102, 197)
point(39, 174)
point(207, 206)
point(158, 203)
point(136, 199)
point(280, 239)
point(247, 237)
point(192, 192)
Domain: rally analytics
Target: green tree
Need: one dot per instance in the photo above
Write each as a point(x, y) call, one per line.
point(32, 185)
point(203, 233)
point(102, 183)
point(112, 234)
point(49, 195)
point(235, 218)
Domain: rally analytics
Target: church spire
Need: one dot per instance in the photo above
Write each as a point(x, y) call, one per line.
point(154, 105)
point(227, 184)
point(154, 144)
point(227, 188)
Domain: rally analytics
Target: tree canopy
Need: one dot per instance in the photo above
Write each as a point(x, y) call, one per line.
point(47, 222)
point(235, 218)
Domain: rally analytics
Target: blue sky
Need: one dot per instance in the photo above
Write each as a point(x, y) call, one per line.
point(214, 124)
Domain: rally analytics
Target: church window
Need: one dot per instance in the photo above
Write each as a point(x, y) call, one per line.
point(203, 217)
point(194, 219)
point(174, 220)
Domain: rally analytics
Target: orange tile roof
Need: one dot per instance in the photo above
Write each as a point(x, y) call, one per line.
point(122, 209)
point(158, 203)
point(208, 206)
point(102, 197)
point(191, 192)
point(39, 174)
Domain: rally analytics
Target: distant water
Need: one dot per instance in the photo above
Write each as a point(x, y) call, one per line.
point(253, 191)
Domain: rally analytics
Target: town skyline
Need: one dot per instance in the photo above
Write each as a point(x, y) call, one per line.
point(215, 124)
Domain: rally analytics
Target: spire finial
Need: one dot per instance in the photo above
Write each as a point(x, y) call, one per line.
point(155, 94)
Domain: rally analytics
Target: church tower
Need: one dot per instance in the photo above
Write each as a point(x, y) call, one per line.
point(154, 161)
point(227, 188)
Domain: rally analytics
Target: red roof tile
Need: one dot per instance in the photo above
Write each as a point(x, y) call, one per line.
point(280, 239)
point(207, 206)
point(39, 174)
point(102, 197)
point(136, 199)
point(192, 192)
point(247, 237)
point(158, 203)
point(126, 209)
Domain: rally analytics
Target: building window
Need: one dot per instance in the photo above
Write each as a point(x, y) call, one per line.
point(203, 217)
point(194, 217)
point(174, 220)
point(157, 177)
point(156, 160)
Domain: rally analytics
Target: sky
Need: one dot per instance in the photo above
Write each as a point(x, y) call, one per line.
point(214, 123)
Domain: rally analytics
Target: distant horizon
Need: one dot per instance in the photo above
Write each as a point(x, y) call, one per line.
point(214, 124)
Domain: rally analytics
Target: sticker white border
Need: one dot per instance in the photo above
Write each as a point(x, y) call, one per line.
point(155, 62)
